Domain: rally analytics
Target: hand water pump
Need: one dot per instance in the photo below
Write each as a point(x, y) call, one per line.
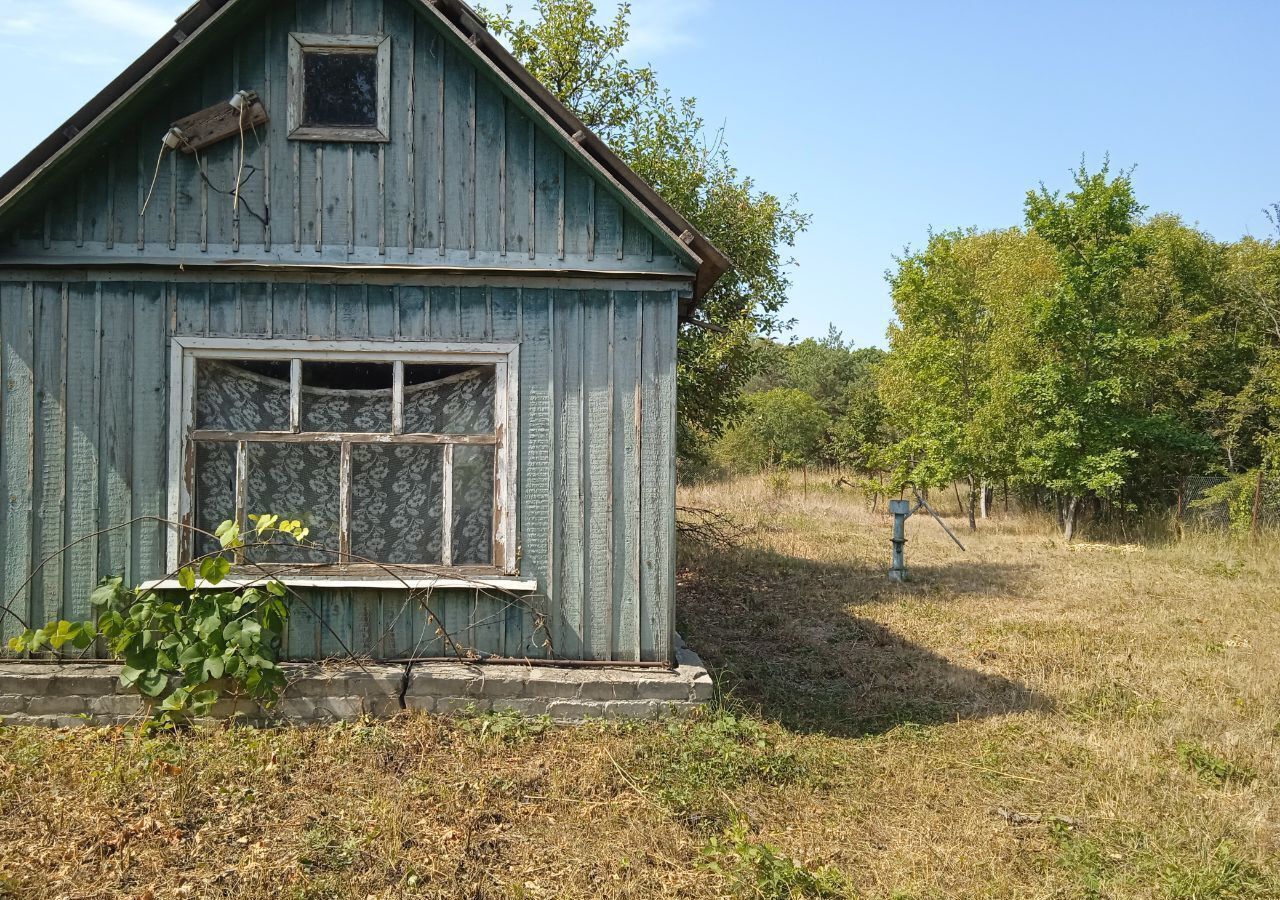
point(903, 510)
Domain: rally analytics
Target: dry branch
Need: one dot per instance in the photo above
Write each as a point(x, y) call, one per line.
point(710, 527)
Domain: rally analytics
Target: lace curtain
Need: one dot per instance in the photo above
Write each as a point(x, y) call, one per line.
point(232, 398)
point(397, 502)
point(397, 490)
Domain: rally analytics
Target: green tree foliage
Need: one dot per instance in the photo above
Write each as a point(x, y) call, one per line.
point(664, 139)
point(1249, 355)
point(841, 379)
point(1092, 415)
point(948, 382)
point(829, 369)
point(782, 427)
point(1093, 360)
point(1245, 499)
point(857, 434)
point(1090, 361)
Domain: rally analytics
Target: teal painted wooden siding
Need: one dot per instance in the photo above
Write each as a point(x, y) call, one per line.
point(85, 402)
point(93, 290)
point(469, 177)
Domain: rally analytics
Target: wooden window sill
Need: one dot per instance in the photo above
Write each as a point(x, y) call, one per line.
point(410, 583)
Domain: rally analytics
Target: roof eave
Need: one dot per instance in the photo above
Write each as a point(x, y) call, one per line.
point(713, 263)
point(186, 25)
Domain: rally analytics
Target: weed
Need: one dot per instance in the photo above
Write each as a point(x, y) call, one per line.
point(504, 726)
point(911, 731)
point(693, 764)
point(1212, 768)
point(362, 733)
point(1226, 570)
point(327, 850)
point(1081, 857)
point(756, 869)
point(19, 748)
point(1114, 701)
point(779, 482)
point(1223, 876)
point(313, 891)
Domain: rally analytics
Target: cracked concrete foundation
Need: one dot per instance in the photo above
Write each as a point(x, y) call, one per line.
point(80, 693)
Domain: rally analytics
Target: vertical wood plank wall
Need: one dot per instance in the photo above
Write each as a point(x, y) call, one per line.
point(84, 409)
point(468, 177)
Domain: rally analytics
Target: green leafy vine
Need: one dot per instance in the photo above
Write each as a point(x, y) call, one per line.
point(183, 655)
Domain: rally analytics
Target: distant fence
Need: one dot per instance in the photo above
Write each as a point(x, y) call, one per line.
point(1214, 501)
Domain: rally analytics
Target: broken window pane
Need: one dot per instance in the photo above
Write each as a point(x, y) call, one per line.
point(296, 481)
point(449, 399)
point(343, 396)
point(340, 88)
point(397, 502)
point(473, 469)
point(235, 395)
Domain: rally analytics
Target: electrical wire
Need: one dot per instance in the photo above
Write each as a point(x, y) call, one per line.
point(235, 203)
point(164, 147)
point(265, 220)
point(241, 181)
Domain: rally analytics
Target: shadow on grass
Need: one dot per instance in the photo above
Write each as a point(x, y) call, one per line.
point(781, 635)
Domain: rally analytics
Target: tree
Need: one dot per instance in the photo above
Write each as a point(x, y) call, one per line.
point(1238, 391)
point(782, 427)
point(666, 142)
point(1248, 424)
point(857, 437)
point(1089, 400)
point(842, 379)
point(826, 368)
point(955, 343)
point(1188, 353)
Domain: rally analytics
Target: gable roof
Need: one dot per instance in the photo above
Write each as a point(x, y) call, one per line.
point(453, 16)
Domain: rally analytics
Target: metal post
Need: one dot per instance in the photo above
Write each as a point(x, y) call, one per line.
point(901, 509)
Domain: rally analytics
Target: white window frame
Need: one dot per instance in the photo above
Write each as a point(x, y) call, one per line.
point(299, 44)
point(504, 357)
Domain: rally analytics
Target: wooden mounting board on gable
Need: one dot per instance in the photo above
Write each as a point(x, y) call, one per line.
point(219, 122)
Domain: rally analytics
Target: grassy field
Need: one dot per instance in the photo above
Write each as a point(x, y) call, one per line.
point(1023, 720)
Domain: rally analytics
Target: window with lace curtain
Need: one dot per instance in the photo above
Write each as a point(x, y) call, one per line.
point(392, 457)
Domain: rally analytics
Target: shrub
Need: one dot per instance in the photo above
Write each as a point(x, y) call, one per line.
point(1237, 496)
point(181, 653)
point(782, 427)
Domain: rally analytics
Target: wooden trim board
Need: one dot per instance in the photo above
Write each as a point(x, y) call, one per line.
point(299, 45)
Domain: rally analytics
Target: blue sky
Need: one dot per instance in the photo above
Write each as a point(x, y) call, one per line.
point(885, 119)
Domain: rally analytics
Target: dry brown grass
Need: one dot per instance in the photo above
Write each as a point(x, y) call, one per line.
point(1023, 720)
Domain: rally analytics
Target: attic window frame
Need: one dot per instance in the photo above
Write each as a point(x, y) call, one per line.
point(504, 357)
point(299, 45)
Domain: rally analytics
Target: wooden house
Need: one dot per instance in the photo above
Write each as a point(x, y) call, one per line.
point(347, 261)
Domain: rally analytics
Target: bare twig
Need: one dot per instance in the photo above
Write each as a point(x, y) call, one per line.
point(270, 572)
point(710, 527)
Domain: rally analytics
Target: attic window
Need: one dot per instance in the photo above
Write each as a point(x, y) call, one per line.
point(339, 87)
